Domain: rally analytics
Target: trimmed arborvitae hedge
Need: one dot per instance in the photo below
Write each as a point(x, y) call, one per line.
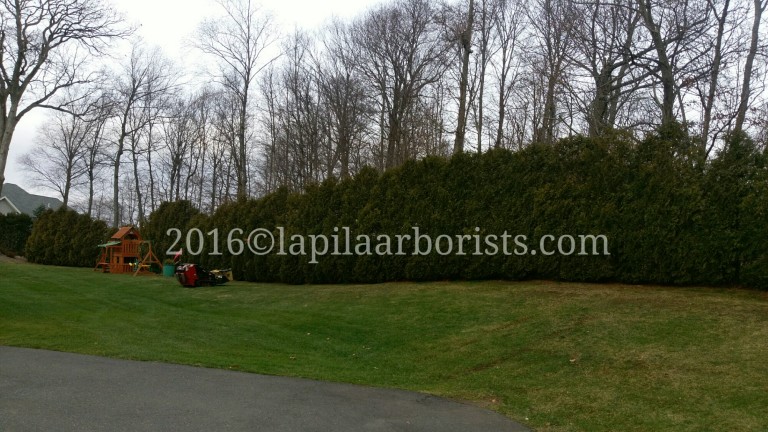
point(67, 238)
point(670, 216)
point(168, 215)
point(14, 231)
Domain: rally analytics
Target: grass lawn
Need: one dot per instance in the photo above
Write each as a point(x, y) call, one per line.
point(555, 356)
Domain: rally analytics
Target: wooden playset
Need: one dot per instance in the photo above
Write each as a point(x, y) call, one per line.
point(127, 252)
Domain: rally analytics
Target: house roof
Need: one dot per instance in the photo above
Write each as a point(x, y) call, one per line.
point(26, 202)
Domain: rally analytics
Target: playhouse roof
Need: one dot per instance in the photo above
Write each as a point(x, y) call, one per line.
point(125, 231)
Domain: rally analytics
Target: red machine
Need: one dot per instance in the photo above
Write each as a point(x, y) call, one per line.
point(192, 275)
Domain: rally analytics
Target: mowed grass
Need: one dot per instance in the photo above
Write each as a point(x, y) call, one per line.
point(555, 356)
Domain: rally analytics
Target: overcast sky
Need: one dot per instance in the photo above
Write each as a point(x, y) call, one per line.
point(168, 23)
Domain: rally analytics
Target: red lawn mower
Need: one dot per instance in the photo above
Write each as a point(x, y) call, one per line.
point(193, 275)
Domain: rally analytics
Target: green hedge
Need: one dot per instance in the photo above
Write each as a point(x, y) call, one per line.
point(670, 216)
point(67, 238)
point(168, 215)
point(14, 231)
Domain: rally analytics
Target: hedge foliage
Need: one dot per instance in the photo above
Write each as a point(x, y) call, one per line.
point(65, 237)
point(671, 216)
point(167, 216)
point(14, 231)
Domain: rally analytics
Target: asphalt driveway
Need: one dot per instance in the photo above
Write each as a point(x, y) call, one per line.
point(54, 391)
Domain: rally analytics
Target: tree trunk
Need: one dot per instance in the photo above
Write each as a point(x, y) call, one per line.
point(479, 123)
point(344, 146)
point(549, 117)
point(665, 68)
point(7, 126)
point(90, 191)
point(598, 113)
point(116, 184)
point(502, 110)
point(67, 185)
point(466, 48)
point(202, 177)
point(242, 166)
point(152, 200)
point(214, 184)
point(393, 141)
point(382, 142)
point(741, 113)
point(714, 75)
point(137, 183)
point(480, 100)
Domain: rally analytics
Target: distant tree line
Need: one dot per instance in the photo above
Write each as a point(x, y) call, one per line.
point(405, 80)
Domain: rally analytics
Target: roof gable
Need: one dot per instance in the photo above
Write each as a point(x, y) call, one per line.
point(26, 202)
point(9, 205)
point(128, 232)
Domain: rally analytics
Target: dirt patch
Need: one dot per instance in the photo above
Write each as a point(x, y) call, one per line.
point(18, 259)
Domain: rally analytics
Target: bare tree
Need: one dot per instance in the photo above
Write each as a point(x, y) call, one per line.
point(552, 24)
point(43, 47)
point(70, 150)
point(145, 78)
point(718, 87)
point(673, 28)
point(462, 36)
point(508, 25)
point(216, 146)
point(483, 53)
point(99, 114)
point(343, 96)
point(300, 124)
point(57, 161)
point(746, 86)
point(201, 106)
point(239, 41)
point(468, 28)
point(603, 50)
point(179, 134)
point(401, 54)
point(269, 92)
point(225, 139)
point(424, 133)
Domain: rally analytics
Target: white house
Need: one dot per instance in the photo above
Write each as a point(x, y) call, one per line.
point(7, 207)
